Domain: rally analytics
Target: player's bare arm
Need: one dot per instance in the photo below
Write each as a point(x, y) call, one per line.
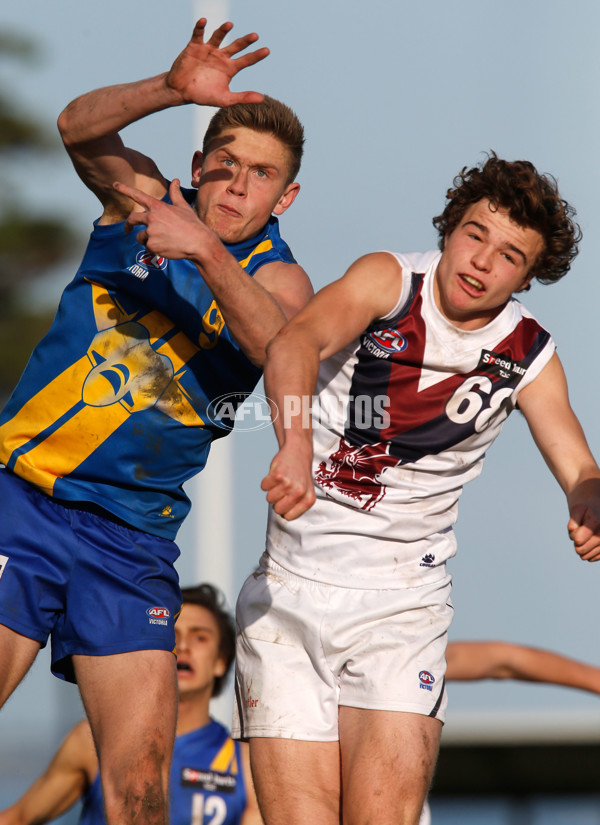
point(560, 438)
point(332, 319)
point(90, 124)
point(468, 661)
point(255, 308)
point(66, 778)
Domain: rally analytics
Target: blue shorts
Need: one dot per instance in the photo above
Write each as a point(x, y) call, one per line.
point(95, 585)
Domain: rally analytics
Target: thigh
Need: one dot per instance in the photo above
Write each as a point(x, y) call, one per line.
point(392, 647)
point(284, 684)
point(123, 593)
point(17, 653)
point(388, 759)
point(296, 782)
point(130, 700)
point(36, 552)
point(131, 703)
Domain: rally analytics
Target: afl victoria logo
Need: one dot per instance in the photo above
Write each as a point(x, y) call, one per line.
point(426, 677)
point(158, 612)
point(147, 259)
point(388, 340)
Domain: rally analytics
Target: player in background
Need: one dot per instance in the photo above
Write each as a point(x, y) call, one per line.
point(172, 307)
point(410, 364)
point(210, 773)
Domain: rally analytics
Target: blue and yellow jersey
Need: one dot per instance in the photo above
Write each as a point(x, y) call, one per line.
point(206, 783)
point(113, 405)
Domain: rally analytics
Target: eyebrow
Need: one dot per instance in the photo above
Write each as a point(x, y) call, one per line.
point(234, 156)
point(483, 228)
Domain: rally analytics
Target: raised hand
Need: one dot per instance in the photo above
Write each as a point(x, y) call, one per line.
point(202, 72)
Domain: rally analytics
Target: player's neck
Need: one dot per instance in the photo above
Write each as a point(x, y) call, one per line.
point(193, 712)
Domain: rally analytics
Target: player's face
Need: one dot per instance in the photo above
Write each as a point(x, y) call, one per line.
point(198, 658)
point(486, 258)
point(241, 181)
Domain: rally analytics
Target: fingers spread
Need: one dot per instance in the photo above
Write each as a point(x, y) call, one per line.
point(219, 34)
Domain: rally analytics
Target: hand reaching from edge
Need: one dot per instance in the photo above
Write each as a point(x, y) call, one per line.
point(202, 72)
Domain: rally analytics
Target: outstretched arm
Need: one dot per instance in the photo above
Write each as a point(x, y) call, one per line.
point(90, 124)
point(560, 438)
point(334, 317)
point(469, 661)
point(66, 778)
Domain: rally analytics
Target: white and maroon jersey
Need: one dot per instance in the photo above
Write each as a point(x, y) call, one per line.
point(402, 420)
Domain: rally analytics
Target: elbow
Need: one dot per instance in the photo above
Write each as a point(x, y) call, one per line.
point(64, 126)
point(67, 126)
point(274, 344)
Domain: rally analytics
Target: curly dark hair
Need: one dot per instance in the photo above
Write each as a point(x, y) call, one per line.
point(208, 596)
point(531, 199)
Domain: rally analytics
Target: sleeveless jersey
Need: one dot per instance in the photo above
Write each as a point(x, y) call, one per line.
point(402, 419)
point(114, 406)
point(206, 782)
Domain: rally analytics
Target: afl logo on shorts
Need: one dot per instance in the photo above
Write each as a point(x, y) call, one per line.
point(427, 680)
point(158, 612)
point(151, 261)
point(158, 615)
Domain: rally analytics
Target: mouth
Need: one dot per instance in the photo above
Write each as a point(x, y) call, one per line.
point(472, 282)
point(228, 210)
point(183, 667)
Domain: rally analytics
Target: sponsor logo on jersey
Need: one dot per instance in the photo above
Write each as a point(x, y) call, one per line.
point(158, 615)
point(428, 560)
point(426, 679)
point(3, 563)
point(495, 363)
point(384, 342)
point(208, 780)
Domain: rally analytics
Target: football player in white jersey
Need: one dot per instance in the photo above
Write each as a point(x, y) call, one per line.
point(340, 675)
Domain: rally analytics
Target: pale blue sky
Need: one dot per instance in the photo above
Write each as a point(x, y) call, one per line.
point(395, 99)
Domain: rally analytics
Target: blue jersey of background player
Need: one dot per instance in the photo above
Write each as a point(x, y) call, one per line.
point(111, 415)
point(210, 778)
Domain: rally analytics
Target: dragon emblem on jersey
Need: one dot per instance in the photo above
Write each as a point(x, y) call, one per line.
point(355, 472)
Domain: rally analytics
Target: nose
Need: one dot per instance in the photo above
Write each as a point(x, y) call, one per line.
point(482, 258)
point(238, 184)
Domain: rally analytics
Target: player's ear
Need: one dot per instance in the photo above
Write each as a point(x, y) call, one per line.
point(526, 282)
point(197, 161)
point(287, 199)
point(220, 667)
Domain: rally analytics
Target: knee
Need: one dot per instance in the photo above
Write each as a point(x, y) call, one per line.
point(136, 792)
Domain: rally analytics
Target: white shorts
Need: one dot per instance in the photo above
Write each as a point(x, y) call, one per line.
point(304, 648)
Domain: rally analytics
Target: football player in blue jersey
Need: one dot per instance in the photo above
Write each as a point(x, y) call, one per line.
point(112, 413)
point(210, 773)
